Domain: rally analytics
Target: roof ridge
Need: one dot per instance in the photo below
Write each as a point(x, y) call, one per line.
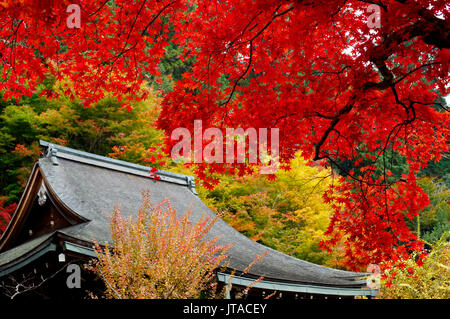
point(54, 151)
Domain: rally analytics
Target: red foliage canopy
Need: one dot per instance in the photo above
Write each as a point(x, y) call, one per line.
point(5, 214)
point(335, 85)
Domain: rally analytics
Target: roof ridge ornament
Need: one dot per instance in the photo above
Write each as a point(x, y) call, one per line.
point(54, 155)
point(42, 195)
point(51, 151)
point(191, 184)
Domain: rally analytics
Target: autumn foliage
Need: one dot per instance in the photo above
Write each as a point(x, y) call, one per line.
point(5, 214)
point(158, 255)
point(287, 214)
point(413, 278)
point(338, 88)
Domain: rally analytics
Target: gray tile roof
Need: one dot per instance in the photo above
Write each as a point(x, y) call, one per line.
point(92, 190)
point(91, 186)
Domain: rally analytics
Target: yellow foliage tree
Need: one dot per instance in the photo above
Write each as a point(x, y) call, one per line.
point(287, 214)
point(427, 279)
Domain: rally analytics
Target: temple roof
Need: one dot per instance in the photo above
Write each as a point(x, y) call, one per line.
point(90, 186)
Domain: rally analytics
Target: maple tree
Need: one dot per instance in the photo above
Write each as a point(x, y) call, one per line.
point(336, 87)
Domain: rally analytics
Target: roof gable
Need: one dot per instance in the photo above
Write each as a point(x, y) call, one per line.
point(39, 212)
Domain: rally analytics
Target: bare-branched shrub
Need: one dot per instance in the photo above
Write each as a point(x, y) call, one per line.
point(158, 255)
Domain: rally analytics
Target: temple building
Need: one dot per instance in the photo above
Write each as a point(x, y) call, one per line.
point(66, 205)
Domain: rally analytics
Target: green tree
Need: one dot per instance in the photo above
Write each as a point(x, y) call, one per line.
point(105, 128)
point(433, 221)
